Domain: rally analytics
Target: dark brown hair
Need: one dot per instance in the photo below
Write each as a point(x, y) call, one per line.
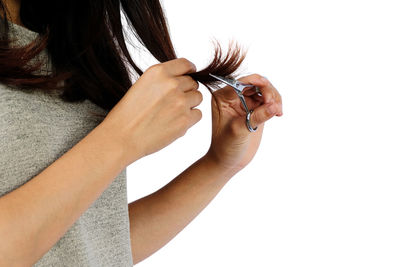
point(86, 43)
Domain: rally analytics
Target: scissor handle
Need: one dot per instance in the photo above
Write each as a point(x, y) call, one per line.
point(241, 97)
point(242, 86)
point(239, 91)
point(251, 129)
point(248, 112)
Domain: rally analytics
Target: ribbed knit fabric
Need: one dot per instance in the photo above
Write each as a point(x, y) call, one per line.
point(36, 128)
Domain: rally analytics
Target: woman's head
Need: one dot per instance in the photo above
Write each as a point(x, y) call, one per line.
point(85, 40)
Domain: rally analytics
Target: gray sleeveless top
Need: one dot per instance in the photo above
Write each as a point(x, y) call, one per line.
point(36, 128)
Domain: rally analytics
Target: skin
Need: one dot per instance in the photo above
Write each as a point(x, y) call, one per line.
point(157, 218)
point(13, 7)
point(154, 219)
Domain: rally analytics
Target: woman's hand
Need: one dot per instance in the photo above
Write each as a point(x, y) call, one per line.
point(156, 110)
point(233, 145)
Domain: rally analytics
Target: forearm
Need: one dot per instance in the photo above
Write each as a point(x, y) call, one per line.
point(36, 215)
point(157, 218)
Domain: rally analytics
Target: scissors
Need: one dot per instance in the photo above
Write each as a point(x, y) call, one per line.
point(239, 87)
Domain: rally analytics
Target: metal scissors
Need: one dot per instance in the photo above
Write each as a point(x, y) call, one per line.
point(239, 87)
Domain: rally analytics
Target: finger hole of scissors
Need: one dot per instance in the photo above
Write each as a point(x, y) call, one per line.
point(249, 91)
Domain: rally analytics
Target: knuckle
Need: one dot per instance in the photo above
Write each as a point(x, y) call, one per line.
point(266, 113)
point(173, 83)
point(188, 64)
point(269, 96)
point(257, 76)
point(183, 59)
point(155, 68)
point(180, 103)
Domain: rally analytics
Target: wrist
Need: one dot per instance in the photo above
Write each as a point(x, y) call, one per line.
point(214, 163)
point(115, 145)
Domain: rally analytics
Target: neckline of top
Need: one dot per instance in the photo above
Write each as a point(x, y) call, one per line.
point(23, 30)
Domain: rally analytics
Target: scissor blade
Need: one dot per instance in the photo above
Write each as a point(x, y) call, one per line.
point(225, 80)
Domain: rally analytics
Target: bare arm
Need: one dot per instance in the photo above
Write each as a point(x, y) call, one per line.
point(53, 200)
point(157, 218)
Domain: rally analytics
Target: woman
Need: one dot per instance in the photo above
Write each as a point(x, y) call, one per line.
point(63, 170)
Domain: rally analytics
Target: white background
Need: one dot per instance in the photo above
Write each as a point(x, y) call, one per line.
point(323, 189)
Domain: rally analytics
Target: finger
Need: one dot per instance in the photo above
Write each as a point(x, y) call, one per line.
point(193, 98)
point(268, 91)
point(179, 66)
point(250, 91)
point(252, 102)
point(195, 115)
point(263, 113)
point(187, 83)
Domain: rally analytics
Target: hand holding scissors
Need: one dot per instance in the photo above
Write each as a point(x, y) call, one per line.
point(239, 87)
point(232, 146)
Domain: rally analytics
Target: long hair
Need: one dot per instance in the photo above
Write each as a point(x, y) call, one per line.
point(86, 43)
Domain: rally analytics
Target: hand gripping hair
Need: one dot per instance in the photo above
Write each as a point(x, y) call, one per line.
point(87, 45)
